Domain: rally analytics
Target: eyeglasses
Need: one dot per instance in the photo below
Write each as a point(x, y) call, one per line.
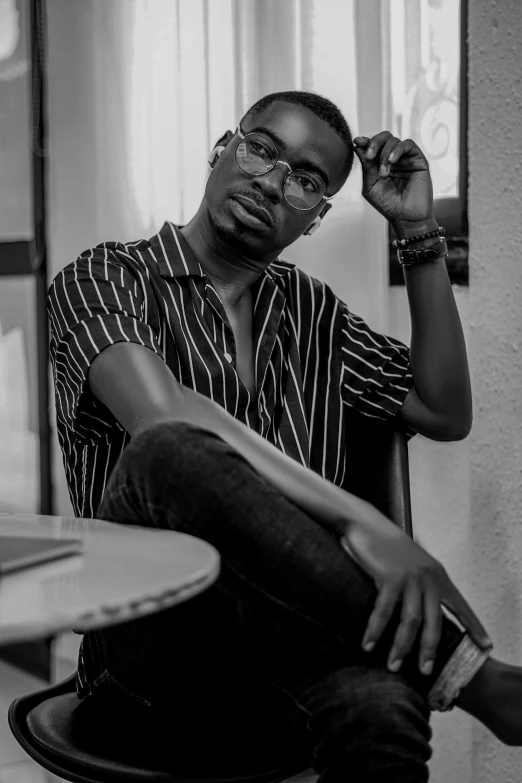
point(257, 155)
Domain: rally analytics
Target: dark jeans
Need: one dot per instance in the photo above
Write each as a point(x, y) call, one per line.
point(278, 634)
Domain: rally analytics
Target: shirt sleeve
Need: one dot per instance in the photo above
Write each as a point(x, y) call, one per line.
point(97, 301)
point(376, 373)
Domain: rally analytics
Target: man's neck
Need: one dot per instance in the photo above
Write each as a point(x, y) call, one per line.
point(231, 272)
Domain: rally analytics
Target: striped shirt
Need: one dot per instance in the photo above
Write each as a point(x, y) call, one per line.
point(313, 357)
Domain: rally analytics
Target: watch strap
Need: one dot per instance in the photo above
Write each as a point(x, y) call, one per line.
point(417, 255)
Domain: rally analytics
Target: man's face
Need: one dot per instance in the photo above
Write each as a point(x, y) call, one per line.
point(304, 142)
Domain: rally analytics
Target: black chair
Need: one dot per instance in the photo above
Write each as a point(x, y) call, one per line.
point(377, 467)
point(78, 743)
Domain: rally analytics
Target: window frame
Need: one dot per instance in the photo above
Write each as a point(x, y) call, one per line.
point(452, 213)
point(23, 258)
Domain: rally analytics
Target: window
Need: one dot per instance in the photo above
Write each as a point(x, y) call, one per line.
point(426, 71)
point(25, 484)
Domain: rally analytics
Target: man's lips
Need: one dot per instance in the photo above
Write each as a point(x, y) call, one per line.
point(251, 206)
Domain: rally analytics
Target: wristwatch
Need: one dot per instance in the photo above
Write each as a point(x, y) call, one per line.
point(417, 255)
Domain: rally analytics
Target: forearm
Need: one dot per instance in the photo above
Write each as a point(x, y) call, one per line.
point(438, 356)
point(137, 387)
point(329, 505)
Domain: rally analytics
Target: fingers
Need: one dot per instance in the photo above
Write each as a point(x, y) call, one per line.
point(431, 629)
point(365, 153)
point(372, 147)
point(391, 152)
point(379, 153)
point(373, 153)
point(411, 619)
point(421, 606)
point(379, 618)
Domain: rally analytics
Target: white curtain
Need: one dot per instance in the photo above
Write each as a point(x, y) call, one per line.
point(170, 76)
point(138, 91)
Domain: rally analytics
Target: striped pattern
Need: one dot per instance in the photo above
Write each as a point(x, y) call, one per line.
point(313, 356)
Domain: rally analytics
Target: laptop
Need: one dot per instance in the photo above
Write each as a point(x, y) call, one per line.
point(18, 552)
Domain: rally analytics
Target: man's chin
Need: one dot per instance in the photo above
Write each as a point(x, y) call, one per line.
point(233, 235)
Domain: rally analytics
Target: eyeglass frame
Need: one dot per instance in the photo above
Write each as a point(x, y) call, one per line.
point(243, 136)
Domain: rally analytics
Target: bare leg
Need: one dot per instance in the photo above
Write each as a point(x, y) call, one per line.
point(494, 697)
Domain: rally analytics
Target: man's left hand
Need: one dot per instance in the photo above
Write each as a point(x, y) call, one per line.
point(396, 178)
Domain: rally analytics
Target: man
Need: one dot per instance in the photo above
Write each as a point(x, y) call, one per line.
point(201, 385)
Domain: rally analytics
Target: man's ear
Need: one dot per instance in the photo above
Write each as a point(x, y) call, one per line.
point(327, 208)
point(224, 139)
point(316, 223)
point(219, 146)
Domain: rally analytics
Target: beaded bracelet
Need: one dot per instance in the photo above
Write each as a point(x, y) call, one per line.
point(439, 232)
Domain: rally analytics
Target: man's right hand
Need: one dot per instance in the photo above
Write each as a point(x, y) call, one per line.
point(405, 572)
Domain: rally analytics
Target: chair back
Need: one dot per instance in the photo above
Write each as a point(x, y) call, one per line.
point(377, 466)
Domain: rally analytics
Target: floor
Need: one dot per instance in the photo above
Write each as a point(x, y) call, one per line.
point(15, 764)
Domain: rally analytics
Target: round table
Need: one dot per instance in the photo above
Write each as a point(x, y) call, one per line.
point(124, 572)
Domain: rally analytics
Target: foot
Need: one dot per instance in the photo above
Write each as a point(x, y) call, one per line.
point(494, 697)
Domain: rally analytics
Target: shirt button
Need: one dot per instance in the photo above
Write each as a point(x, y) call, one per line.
point(228, 357)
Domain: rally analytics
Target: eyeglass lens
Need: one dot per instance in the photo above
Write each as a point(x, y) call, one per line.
point(257, 156)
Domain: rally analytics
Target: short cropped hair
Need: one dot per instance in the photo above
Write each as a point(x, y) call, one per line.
point(322, 107)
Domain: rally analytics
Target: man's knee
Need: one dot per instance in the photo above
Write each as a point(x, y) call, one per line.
point(164, 462)
point(172, 455)
point(164, 433)
point(172, 443)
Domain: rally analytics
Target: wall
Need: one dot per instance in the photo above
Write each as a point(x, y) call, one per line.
point(89, 192)
point(467, 496)
point(495, 340)
point(440, 495)
point(19, 440)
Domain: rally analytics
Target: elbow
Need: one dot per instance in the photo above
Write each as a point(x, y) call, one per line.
point(464, 427)
point(456, 430)
point(459, 434)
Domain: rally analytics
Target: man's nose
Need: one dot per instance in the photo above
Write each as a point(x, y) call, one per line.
point(271, 183)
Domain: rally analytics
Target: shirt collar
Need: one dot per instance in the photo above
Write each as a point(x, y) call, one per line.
point(173, 253)
point(175, 258)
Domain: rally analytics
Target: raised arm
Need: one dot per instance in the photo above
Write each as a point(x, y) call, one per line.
point(397, 182)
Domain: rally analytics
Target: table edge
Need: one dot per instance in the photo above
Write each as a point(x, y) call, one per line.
point(111, 615)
